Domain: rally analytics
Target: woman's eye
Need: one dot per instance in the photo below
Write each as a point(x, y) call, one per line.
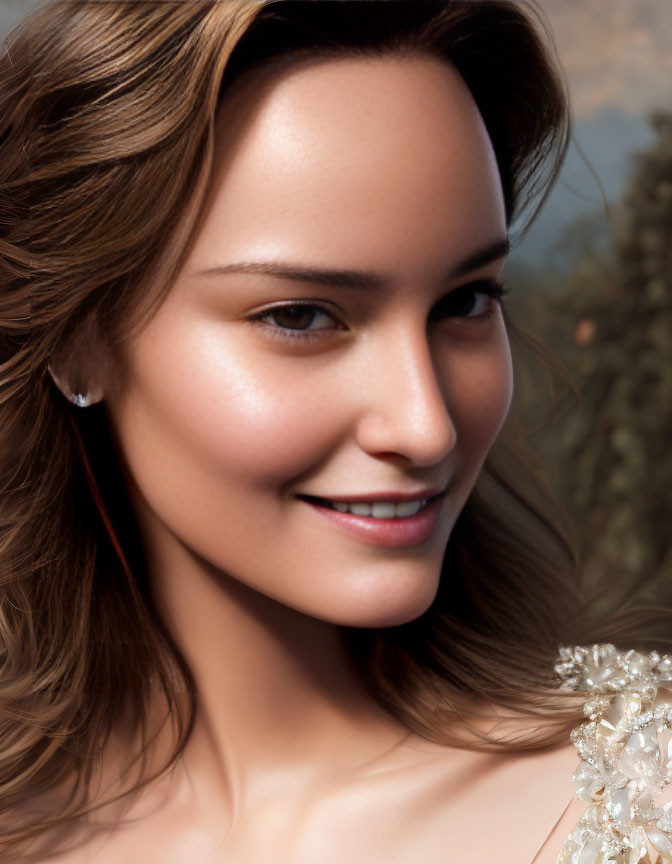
point(477, 300)
point(307, 320)
point(296, 319)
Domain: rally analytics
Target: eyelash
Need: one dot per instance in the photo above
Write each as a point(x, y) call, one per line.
point(490, 287)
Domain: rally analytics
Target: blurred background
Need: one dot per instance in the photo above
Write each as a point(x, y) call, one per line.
point(592, 280)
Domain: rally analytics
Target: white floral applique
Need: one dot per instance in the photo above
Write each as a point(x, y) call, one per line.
point(625, 748)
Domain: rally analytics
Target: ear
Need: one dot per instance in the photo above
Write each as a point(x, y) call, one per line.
point(76, 367)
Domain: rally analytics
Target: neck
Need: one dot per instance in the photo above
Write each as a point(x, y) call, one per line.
point(277, 698)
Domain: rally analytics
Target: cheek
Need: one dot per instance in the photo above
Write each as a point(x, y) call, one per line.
point(203, 404)
point(480, 393)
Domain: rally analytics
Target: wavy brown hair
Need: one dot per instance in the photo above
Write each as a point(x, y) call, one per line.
point(107, 117)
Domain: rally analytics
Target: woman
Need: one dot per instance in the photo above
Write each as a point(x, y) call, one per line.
point(281, 582)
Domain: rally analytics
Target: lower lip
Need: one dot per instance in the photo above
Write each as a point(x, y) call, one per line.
point(403, 531)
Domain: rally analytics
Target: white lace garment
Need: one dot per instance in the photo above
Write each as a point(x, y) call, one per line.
point(625, 748)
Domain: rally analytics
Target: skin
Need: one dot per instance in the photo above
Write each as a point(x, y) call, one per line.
point(378, 165)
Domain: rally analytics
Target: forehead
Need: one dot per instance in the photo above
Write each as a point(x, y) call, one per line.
point(358, 160)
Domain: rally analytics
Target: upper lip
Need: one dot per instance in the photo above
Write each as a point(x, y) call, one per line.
point(419, 495)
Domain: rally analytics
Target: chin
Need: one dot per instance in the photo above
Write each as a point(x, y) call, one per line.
point(386, 613)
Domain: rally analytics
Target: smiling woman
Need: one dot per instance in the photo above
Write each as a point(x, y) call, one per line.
point(281, 581)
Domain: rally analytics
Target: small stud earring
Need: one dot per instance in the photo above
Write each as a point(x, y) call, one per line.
point(81, 400)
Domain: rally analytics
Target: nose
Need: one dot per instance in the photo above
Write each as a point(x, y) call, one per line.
point(404, 409)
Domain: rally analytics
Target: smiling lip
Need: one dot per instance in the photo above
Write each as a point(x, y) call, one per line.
point(399, 531)
point(419, 495)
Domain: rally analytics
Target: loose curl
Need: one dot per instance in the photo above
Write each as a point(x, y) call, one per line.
point(107, 118)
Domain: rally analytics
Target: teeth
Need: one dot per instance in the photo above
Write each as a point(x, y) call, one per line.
point(409, 508)
point(384, 510)
point(381, 509)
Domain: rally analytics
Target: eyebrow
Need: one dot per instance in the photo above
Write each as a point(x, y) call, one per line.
point(361, 279)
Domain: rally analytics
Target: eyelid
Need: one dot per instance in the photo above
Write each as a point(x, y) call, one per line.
point(311, 304)
point(299, 301)
point(493, 288)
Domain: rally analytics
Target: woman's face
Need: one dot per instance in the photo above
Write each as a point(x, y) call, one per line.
point(257, 404)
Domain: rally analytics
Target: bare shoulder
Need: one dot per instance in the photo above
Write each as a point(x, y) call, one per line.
point(65, 845)
point(430, 799)
point(527, 801)
point(549, 852)
point(84, 840)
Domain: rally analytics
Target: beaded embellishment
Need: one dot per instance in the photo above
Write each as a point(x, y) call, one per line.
point(625, 748)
